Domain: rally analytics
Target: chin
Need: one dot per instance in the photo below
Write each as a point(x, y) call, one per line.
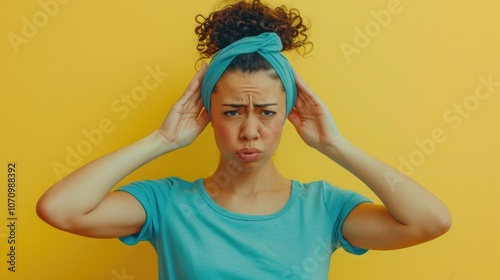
point(251, 169)
point(235, 166)
point(246, 167)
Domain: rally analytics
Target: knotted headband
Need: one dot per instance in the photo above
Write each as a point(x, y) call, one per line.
point(269, 46)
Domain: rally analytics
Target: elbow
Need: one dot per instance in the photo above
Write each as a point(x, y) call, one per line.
point(42, 209)
point(48, 211)
point(45, 211)
point(444, 222)
point(436, 225)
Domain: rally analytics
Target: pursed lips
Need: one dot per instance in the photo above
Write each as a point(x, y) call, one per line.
point(248, 154)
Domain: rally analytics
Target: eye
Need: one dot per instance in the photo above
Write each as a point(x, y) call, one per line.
point(232, 113)
point(268, 113)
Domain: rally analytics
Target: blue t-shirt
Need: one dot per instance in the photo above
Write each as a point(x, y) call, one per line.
point(195, 238)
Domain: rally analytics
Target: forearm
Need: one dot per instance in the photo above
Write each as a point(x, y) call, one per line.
point(406, 200)
point(82, 191)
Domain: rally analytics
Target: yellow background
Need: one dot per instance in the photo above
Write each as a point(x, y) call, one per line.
point(394, 91)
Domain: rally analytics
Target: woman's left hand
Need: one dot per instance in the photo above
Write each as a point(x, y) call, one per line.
point(312, 119)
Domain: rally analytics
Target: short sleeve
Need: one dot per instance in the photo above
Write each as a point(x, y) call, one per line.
point(340, 203)
point(153, 196)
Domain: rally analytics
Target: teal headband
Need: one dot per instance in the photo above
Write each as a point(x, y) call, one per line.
point(269, 46)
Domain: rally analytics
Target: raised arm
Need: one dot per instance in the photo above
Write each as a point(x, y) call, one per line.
point(82, 202)
point(410, 214)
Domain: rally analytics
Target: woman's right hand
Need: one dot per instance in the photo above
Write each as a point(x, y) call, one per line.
point(184, 122)
point(83, 204)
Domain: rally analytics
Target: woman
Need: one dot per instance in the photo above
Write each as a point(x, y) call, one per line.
point(245, 221)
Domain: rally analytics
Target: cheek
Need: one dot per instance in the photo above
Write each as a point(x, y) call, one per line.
point(277, 124)
point(223, 133)
point(273, 130)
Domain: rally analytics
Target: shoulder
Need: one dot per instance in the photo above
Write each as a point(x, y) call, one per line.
point(313, 193)
point(316, 184)
point(162, 183)
point(159, 188)
point(329, 194)
point(318, 187)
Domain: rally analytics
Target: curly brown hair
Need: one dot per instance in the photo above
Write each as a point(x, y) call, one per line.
point(250, 18)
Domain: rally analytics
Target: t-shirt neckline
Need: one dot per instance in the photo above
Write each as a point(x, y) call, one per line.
point(221, 210)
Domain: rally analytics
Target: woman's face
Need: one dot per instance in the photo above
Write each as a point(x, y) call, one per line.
point(248, 115)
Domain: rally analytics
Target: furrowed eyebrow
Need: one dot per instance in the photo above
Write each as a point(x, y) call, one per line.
point(255, 105)
point(265, 105)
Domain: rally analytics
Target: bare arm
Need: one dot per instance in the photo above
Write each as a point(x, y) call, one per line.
point(82, 202)
point(410, 214)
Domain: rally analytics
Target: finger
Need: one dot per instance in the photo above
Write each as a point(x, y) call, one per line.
point(203, 119)
point(191, 109)
point(195, 98)
point(306, 92)
point(194, 85)
point(301, 84)
point(197, 91)
point(300, 101)
point(301, 89)
point(200, 74)
point(294, 118)
point(301, 97)
point(304, 103)
point(198, 106)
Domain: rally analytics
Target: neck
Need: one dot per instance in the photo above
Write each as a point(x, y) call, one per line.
point(231, 178)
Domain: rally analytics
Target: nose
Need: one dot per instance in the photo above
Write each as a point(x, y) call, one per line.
point(250, 128)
